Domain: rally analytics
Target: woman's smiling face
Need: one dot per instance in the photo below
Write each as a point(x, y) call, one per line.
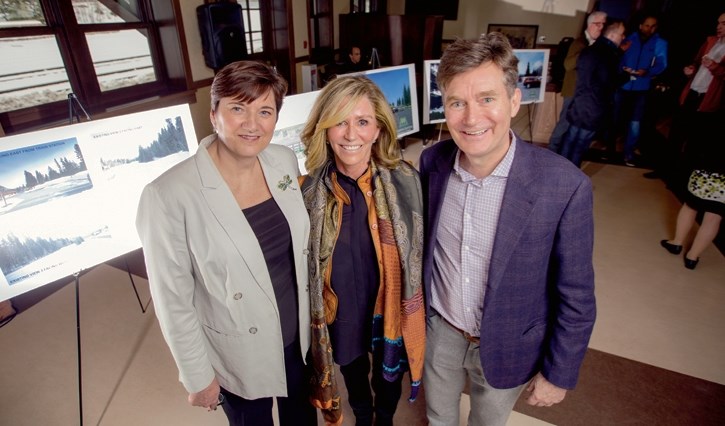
point(352, 139)
point(245, 128)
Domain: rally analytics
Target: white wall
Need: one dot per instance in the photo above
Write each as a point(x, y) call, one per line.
point(299, 23)
point(475, 15)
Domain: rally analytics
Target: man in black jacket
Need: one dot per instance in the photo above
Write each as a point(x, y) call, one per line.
point(356, 62)
point(597, 81)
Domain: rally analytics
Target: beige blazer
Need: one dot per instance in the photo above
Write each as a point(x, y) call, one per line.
point(209, 281)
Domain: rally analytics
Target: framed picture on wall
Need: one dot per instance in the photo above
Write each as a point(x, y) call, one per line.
point(520, 36)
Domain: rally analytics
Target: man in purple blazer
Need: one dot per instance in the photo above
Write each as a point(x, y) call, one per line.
point(508, 259)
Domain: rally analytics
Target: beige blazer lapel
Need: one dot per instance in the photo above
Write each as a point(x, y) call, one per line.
point(280, 171)
point(222, 205)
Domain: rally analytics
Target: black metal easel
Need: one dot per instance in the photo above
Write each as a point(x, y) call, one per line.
point(73, 102)
point(374, 59)
point(135, 290)
point(78, 341)
point(144, 308)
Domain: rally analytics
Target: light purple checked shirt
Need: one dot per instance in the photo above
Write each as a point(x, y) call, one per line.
point(466, 232)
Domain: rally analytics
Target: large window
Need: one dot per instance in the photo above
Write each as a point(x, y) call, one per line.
point(252, 25)
point(268, 34)
point(105, 52)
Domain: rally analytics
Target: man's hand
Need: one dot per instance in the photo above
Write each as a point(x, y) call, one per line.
point(543, 392)
point(632, 71)
point(207, 397)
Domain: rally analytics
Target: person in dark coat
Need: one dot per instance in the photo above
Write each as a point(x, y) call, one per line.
point(703, 185)
point(355, 63)
point(595, 25)
point(597, 81)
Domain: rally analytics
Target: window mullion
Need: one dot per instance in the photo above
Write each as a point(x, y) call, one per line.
point(76, 55)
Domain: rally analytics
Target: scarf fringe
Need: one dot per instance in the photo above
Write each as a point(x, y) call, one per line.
point(414, 388)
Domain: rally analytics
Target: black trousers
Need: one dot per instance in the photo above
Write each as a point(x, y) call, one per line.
point(690, 131)
point(295, 409)
point(360, 397)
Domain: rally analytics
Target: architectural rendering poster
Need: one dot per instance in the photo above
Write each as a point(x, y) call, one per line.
point(68, 195)
point(533, 70)
point(432, 99)
point(292, 118)
point(398, 86)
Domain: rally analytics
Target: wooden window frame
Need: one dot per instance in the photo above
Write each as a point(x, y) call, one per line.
point(156, 17)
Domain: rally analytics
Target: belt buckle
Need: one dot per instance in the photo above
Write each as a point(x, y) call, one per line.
point(466, 335)
point(470, 338)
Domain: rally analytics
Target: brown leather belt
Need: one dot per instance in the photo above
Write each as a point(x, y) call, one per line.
point(465, 334)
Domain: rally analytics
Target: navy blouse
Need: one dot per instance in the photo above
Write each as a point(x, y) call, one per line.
point(354, 278)
point(270, 226)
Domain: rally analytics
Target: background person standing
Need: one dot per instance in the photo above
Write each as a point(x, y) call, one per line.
point(597, 81)
point(595, 24)
point(645, 58)
point(702, 183)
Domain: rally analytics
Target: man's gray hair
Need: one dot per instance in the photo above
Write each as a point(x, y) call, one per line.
point(595, 15)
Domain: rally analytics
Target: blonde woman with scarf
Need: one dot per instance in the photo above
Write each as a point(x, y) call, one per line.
point(366, 242)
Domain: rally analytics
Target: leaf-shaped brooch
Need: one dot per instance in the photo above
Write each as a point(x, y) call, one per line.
point(285, 183)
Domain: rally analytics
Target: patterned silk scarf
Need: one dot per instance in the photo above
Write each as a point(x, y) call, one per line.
point(399, 318)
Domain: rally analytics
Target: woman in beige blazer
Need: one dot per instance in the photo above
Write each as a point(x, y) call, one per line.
point(225, 235)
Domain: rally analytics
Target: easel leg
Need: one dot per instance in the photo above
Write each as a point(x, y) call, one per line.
point(135, 290)
point(78, 340)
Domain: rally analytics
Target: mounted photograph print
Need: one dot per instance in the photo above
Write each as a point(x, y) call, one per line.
point(432, 98)
point(533, 69)
point(69, 195)
point(292, 119)
point(520, 36)
point(398, 86)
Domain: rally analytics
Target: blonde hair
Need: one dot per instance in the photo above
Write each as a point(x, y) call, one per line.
point(334, 105)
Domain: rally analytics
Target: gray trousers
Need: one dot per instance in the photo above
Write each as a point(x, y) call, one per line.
point(449, 360)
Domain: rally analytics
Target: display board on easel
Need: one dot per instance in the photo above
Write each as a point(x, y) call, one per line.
point(432, 98)
point(68, 195)
point(533, 73)
point(398, 85)
point(292, 119)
